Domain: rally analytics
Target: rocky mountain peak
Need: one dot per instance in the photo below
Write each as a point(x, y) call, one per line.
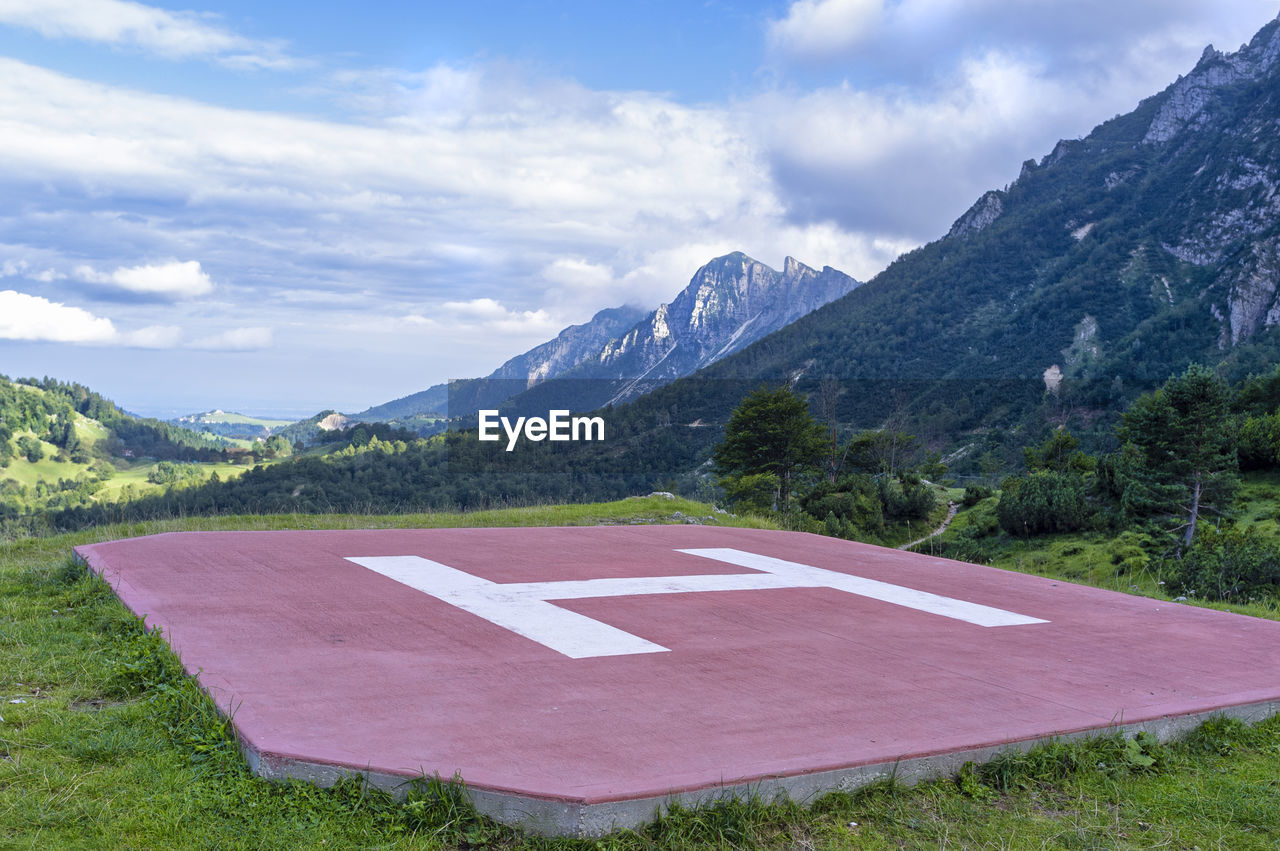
point(1186, 100)
point(793, 269)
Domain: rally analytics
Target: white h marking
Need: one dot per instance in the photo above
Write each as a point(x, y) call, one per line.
point(522, 607)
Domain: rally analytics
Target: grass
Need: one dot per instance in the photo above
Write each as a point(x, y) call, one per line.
point(26, 473)
point(126, 473)
point(105, 744)
point(136, 473)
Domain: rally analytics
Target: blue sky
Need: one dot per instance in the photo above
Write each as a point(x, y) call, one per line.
point(285, 207)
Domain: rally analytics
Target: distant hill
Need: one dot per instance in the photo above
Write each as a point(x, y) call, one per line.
point(230, 424)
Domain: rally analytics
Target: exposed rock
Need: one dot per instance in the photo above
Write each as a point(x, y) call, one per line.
point(978, 217)
point(1252, 301)
point(1052, 378)
point(730, 303)
point(1186, 100)
point(1084, 347)
point(570, 347)
point(1061, 151)
point(334, 422)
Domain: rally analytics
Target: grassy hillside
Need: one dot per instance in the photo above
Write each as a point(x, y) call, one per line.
point(233, 418)
point(104, 743)
point(238, 429)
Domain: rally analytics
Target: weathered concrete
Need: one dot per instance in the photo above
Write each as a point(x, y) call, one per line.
point(805, 679)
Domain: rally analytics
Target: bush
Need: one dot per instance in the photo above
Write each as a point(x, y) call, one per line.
point(908, 499)
point(852, 503)
point(170, 472)
point(751, 492)
point(1043, 501)
point(974, 494)
point(1258, 446)
point(1234, 565)
point(31, 448)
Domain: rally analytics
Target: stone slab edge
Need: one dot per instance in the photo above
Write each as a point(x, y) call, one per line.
point(559, 817)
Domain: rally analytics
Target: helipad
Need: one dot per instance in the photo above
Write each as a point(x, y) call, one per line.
point(578, 678)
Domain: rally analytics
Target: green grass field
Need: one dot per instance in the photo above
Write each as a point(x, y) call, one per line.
point(105, 744)
point(127, 473)
point(27, 473)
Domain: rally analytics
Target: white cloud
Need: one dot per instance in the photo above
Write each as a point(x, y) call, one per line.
point(172, 35)
point(489, 315)
point(539, 173)
point(154, 337)
point(29, 317)
point(236, 339)
point(825, 27)
point(174, 280)
point(544, 201)
point(578, 274)
point(964, 92)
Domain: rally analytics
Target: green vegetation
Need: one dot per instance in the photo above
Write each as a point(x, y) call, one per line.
point(771, 438)
point(1167, 512)
point(868, 487)
point(1183, 458)
point(63, 446)
point(105, 743)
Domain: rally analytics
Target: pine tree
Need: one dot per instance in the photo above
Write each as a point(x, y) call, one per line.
point(1185, 460)
point(771, 432)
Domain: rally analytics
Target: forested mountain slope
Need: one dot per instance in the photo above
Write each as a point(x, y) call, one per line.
point(1104, 268)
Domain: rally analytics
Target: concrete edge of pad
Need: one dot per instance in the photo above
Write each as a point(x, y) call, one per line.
point(583, 818)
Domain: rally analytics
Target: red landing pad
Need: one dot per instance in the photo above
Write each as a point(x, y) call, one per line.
point(578, 678)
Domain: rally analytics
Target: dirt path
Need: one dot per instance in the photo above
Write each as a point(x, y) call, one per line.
point(952, 508)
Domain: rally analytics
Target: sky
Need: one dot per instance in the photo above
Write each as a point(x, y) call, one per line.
point(285, 207)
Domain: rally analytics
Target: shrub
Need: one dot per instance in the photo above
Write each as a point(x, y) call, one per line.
point(1043, 501)
point(31, 448)
point(907, 499)
point(1234, 565)
point(974, 494)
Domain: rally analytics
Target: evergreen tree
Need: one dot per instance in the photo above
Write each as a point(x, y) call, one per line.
point(770, 432)
point(1185, 459)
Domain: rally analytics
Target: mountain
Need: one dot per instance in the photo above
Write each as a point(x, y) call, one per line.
point(1110, 264)
point(730, 302)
